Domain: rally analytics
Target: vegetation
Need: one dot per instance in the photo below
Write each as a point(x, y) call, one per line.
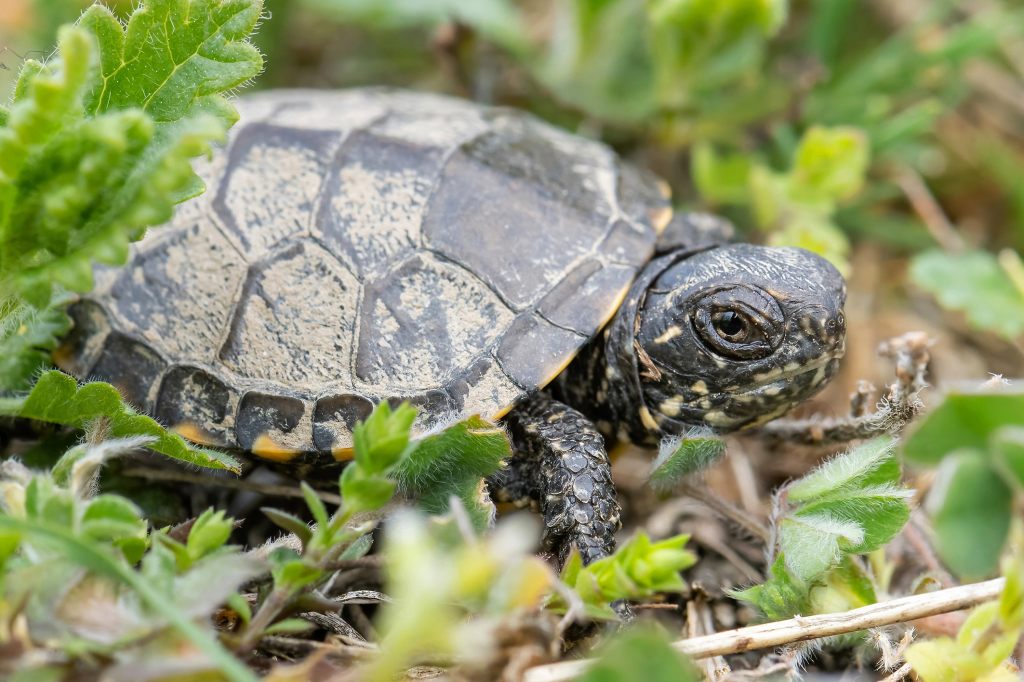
point(884, 136)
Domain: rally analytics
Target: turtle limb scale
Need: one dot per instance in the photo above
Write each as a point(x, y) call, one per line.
point(562, 465)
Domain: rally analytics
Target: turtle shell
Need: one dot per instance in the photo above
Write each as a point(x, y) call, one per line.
point(361, 246)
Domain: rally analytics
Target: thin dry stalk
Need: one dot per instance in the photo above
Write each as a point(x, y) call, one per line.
point(804, 628)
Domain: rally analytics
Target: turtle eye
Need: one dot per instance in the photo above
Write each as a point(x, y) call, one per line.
point(740, 323)
point(729, 325)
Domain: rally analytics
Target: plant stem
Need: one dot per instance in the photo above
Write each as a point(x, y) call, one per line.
point(803, 628)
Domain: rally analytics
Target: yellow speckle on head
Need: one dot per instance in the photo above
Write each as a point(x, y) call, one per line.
point(267, 448)
point(647, 420)
point(670, 407)
point(699, 387)
point(792, 366)
point(717, 418)
point(191, 432)
point(669, 334)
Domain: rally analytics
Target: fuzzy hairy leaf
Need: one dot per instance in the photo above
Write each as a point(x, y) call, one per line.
point(639, 654)
point(679, 457)
point(98, 142)
point(453, 462)
point(871, 464)
point(58, 399)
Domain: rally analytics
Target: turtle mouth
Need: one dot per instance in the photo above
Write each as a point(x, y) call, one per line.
point(782, 378)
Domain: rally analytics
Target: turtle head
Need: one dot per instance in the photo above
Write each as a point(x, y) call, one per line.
point(737, 335)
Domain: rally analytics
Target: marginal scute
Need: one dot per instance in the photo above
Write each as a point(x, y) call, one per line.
point(374, 198)
point(272, 183)
point(335, 417)
point(179, 290)
point(295, 319)
point(495, 192)
point(270, 419)
point(587, 297)
point(534, 351)
point(131, 366)
point(485, 390)
point(433, 407)
point(424, 321)
point(192, 398)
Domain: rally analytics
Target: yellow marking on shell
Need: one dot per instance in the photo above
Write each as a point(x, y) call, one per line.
point(614, 306)
point(699, 387)
point(502, 412)
point(267, 448)
point(647, 420)
point(669, 334)
point(671, 407)
point(192, 432)
point(343, 454)
point(64, 357)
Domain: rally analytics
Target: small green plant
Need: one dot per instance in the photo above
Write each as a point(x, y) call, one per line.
point(97, 145)
point(849, 506)
point(984, 643)
point(976, 439)
point(85, 579)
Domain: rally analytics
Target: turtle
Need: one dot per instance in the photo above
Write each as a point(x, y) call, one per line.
point(373, 244)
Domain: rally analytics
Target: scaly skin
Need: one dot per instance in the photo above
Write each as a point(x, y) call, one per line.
point(561, 464)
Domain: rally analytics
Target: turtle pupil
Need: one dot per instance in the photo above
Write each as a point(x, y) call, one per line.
point(729, 324)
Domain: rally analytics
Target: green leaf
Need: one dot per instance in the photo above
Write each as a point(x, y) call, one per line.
point(641, 654)
point(92, 557)
point(58, 399)
point(966, 419)
point(971, 507)
point(1008, 446)
point(721, 178)
point(172, 55)
point(290, 523)
point(382, 439)
point(811, 543)
point(362, 492)
point(830, 164)
point(680, 457)
point(880, 512)
point(315, 504)
point(867, 465)
point(209, 533)
point(781, 596)
point(974, 283)
point(98, 143)
point(27, 337)
point(289, 626)
point(454, 462)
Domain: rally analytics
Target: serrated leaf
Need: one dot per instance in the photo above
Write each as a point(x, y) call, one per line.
point(965, 419)
point(172, 54)
point(58, 399)
point(867, 465)
point(679, 457)
point(454, 462)
point(971, 507)
point(974, 283)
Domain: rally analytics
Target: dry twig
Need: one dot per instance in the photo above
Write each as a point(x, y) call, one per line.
point(804, 628)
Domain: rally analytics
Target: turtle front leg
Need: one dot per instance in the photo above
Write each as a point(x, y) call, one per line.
point(562, 465)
